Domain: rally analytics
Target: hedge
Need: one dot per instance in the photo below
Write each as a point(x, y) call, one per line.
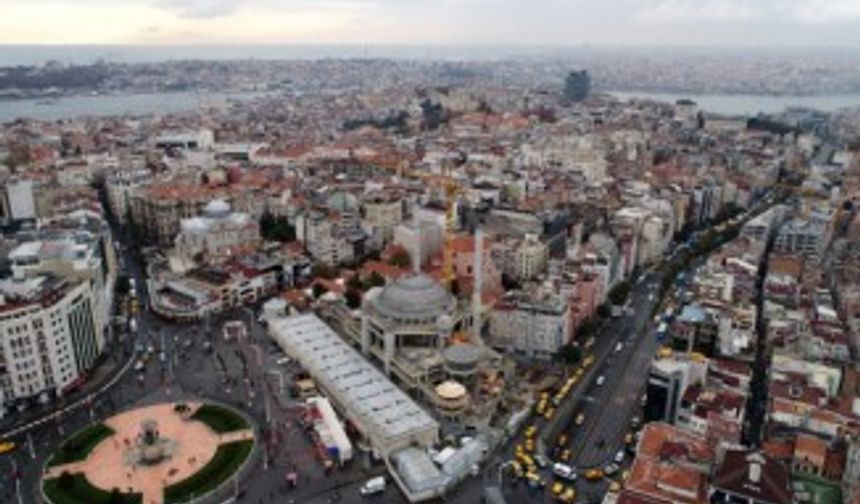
point(227, 460)
point(79, 446)
point(220, 419)
point(76, 489)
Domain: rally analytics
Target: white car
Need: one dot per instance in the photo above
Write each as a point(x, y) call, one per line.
point(619, 457)
point(611, 469)
point(564, 471)
point(373, 486)
point(600, 380)
point(619, 346)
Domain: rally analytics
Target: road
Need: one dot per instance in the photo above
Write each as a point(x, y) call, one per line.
point(191, 372)
point(607, 408)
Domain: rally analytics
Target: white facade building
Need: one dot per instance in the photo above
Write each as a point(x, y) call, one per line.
point(216, 232)
point(536, 326)
point(119, 186)
point(19, 201)
point(49, 337)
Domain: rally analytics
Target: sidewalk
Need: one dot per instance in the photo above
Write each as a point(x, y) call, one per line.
point(113, 364)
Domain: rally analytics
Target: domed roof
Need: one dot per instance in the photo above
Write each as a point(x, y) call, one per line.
point(216, 208)
point(463, 354)
point(414, 296)
point(342, 201)
point(450, 390)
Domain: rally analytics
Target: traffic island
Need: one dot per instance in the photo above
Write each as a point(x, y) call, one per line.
point(165, 453)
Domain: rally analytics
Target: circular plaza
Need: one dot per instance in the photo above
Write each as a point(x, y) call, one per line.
point(161, 454)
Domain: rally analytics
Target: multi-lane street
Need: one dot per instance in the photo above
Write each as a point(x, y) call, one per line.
point(607, 408)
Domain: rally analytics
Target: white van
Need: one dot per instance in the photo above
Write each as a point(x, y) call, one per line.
point(373, 486)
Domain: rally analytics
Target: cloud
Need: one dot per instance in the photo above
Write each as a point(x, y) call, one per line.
point(822, 11)
point(671, 11)
point(201, 9)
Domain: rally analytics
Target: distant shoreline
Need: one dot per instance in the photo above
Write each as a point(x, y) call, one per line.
point(140, 104)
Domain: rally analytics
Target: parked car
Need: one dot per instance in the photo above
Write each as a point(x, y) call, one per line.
point(373, 486)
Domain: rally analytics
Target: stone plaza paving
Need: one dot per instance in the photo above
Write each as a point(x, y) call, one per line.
point(115, 462)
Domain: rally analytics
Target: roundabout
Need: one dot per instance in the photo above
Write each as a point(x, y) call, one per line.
point(164, 453)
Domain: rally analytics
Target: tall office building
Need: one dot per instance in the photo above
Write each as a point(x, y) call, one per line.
point(577, 86)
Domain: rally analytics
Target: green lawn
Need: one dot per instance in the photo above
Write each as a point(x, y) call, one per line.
point(821, 491)
point(76, 489)
point(220, 419)
point(227, 460)
point(79, 446)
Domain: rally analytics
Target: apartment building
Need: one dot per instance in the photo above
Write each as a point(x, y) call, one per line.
point(49, 337)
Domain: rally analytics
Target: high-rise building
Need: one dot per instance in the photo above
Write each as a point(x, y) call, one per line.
point(577, 86)
point(17, 201)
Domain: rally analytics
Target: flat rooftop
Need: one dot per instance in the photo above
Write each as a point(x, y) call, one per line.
point(369, 398)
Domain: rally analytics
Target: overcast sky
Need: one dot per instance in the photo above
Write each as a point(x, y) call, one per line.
point(474, 22)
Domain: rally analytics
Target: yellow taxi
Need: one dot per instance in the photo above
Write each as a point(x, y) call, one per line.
point(531, 431)
point(579, 419)
point(628, 439)
point(594, 474)
point(557, 488)
point(530, 445)
point(569, 496)
point(7, 447)
point(550, 411)
point(562, 440)
point(615, 487)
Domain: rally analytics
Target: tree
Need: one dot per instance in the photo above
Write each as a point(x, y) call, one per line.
point(455, 288)
point(570, 353)
point(619, 294)
point(277, 229)
point(586, 328)
point(116, 497)
point(318, 290)
point(603, 311)
point(122, 285)
point(323, 270)
point(509, 283)
point(400, 258)
point(375, 280)
point(353, 298)
point(354, 283)
point(66, 480)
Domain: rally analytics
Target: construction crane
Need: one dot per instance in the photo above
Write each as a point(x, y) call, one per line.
point(452, 190)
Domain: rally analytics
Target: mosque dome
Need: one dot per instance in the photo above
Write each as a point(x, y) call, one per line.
point(414, 297)
point(216, 209)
